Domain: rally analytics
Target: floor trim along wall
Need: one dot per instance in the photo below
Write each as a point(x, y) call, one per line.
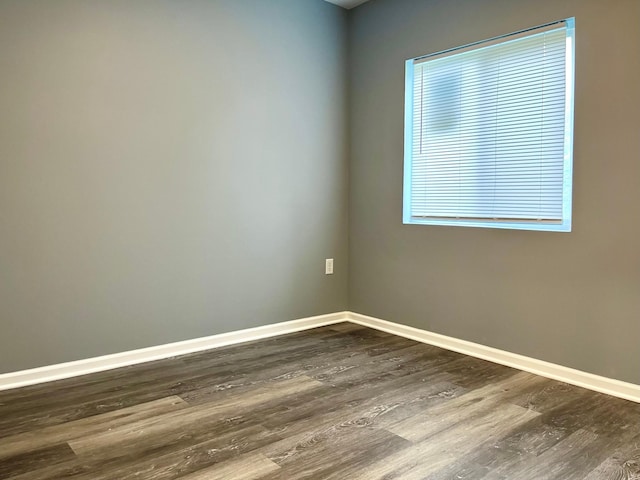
point(598, 383)
point(132, 357)
point(579, 378)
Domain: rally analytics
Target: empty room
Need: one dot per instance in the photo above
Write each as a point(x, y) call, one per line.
point(319, 239)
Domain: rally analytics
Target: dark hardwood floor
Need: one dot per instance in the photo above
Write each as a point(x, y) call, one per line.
point(340, 402)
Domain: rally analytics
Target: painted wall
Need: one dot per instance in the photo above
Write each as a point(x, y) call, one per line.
point(569, 298)
point(168, 170)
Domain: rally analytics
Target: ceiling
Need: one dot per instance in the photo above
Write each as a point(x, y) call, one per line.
point(347, 3)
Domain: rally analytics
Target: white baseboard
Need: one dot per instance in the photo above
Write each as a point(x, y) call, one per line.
point(616, 388)
point(123, 359)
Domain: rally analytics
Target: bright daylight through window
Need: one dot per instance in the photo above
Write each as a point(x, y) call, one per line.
point(489, 133)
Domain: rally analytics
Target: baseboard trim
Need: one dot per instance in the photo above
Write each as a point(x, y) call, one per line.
point(107, 362)
point(616, 388)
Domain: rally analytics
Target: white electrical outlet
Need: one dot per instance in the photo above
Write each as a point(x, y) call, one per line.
point(328, 266)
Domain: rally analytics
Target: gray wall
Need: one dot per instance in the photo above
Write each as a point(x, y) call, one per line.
point(168, 170)
point(574, 298)
point(165, 174)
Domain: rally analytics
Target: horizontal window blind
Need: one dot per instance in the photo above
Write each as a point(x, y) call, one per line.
point(488, 135)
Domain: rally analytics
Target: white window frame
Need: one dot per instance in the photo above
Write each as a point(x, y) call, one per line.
point(565, 224)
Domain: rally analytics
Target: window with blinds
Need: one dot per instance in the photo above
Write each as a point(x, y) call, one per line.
point(488, 133)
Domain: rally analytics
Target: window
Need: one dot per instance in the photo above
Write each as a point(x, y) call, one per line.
point(488, 133)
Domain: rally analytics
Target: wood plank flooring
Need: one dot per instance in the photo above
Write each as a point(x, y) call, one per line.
point(339, 402)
